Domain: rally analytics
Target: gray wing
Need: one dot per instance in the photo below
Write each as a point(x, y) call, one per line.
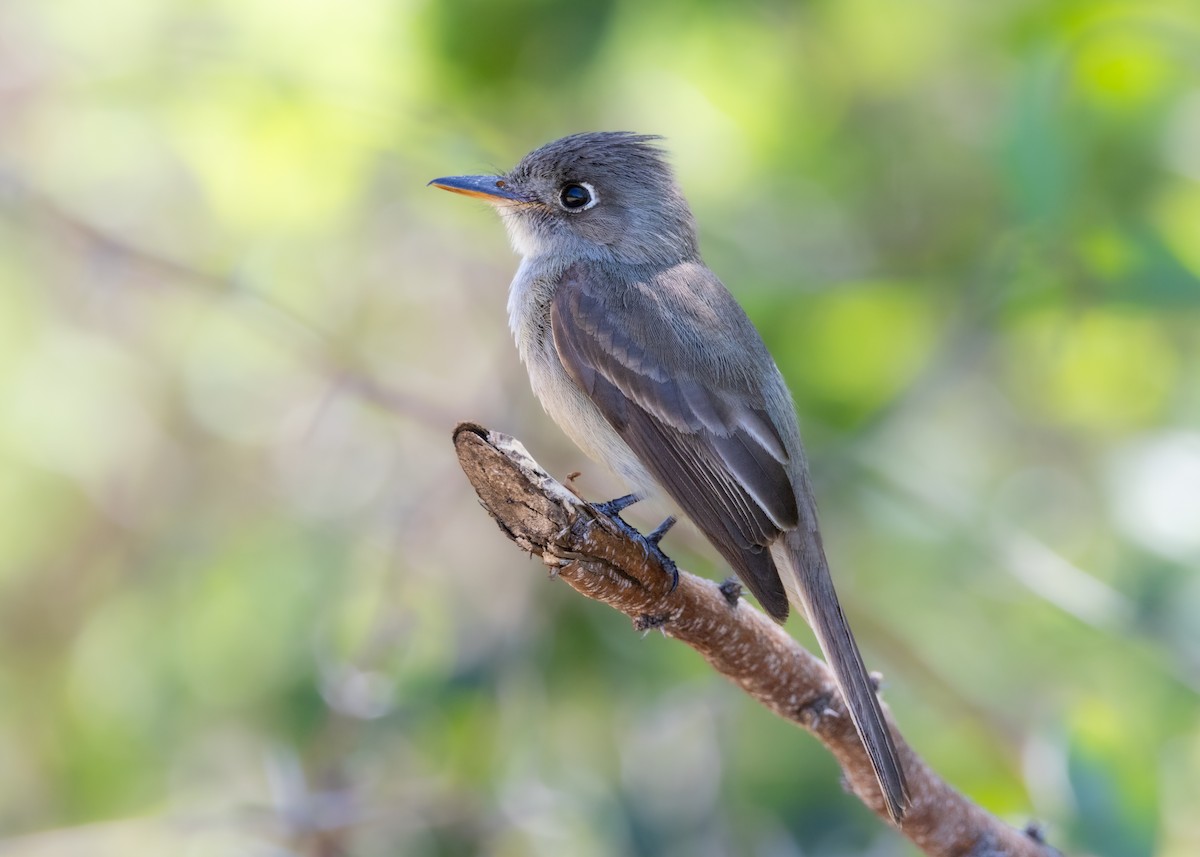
point(702, 428)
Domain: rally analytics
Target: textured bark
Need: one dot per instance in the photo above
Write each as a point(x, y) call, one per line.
point(591, 554)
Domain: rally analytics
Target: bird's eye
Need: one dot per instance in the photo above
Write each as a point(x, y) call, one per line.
point(577, 196)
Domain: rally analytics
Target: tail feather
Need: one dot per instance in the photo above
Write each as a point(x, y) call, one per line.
point(806, 577)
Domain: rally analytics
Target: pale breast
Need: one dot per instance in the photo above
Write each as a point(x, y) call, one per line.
point(529, 317)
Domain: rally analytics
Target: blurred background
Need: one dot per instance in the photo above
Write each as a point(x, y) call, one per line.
point(249, 605)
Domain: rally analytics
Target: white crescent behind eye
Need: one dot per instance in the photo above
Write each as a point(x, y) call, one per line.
point(595, 197)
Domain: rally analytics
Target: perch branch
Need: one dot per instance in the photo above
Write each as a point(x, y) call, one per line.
point(590, 553)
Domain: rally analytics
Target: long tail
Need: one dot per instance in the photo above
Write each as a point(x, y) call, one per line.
point(812, 588)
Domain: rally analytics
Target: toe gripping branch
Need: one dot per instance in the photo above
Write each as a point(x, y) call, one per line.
point(649, 542)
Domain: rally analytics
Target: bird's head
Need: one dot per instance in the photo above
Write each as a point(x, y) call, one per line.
point(607, 195)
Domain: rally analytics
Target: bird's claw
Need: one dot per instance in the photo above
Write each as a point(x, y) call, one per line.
point(614, 508)
point(649, 543)
point(655, 536)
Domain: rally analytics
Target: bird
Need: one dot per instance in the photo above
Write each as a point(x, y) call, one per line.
point(647, 362)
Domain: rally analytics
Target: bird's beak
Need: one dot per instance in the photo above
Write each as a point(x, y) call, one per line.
point(490, 188)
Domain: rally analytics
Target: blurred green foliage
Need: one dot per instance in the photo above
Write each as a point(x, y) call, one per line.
point(248, 605)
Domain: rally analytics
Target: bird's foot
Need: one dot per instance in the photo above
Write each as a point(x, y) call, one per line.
point(655, 535)
point(612, 510)
point(731, 588)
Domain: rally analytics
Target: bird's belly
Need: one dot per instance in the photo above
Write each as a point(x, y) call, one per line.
point(582, 421)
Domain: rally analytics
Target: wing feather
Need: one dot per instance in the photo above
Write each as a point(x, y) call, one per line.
point(709, 440)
